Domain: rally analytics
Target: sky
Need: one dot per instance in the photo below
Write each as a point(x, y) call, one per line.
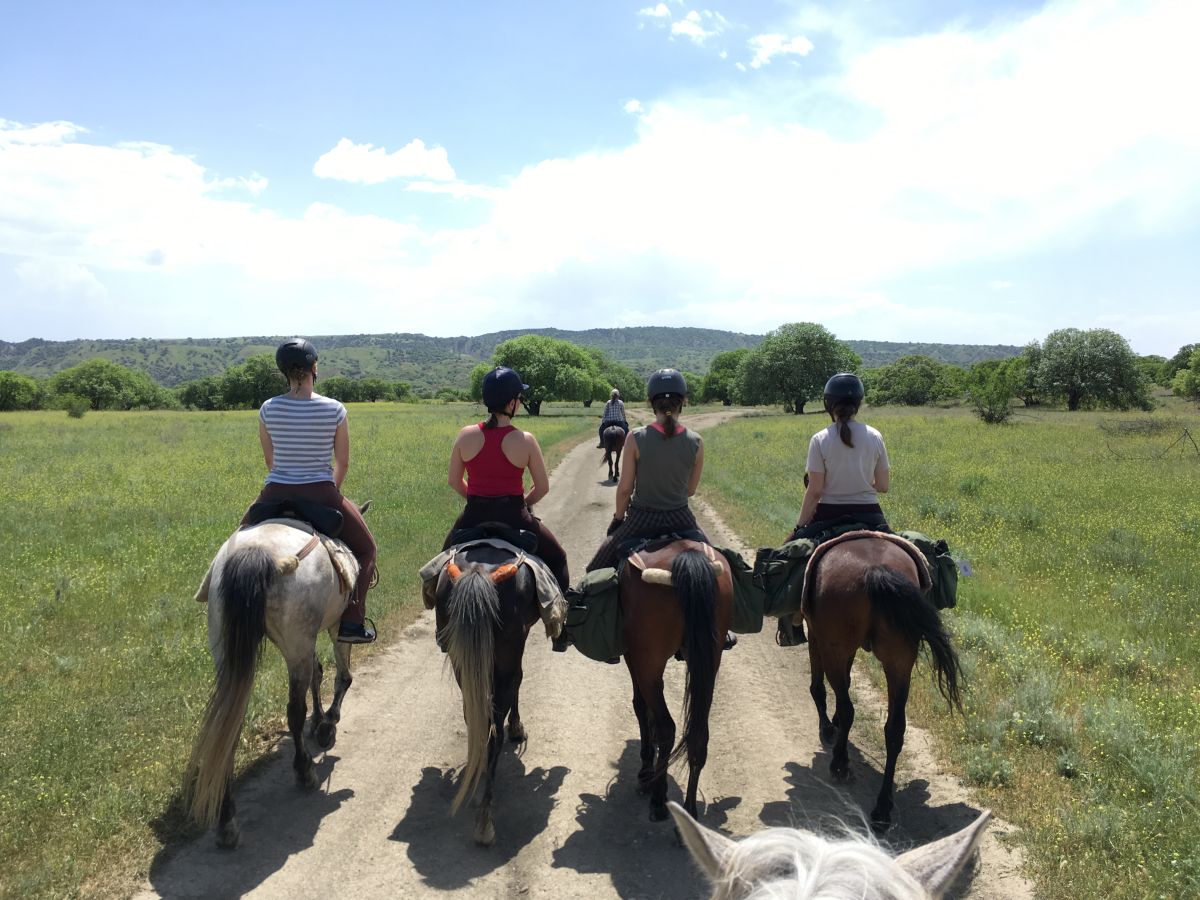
point(916, 170)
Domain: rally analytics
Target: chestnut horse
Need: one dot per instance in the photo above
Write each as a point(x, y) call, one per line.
point(677, 597)
point(614, 441)
point(489, 605)
point(866, 592)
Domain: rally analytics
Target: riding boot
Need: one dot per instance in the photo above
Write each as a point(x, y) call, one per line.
point(788, 635)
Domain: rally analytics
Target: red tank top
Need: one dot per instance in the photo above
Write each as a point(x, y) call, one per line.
point(489, 472)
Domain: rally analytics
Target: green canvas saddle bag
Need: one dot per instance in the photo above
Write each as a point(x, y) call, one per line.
point(594, 616)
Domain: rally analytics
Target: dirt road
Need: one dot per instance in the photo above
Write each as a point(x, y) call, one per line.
point(568, 820)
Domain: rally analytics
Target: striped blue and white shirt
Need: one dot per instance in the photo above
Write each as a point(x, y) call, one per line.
point(302, 437)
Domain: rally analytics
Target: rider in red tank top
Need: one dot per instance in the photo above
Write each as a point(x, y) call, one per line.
point(489, 472)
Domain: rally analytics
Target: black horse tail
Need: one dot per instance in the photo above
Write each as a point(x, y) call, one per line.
point(246, 579)
point(696, 587)
point(469, 635)
point(909, 611)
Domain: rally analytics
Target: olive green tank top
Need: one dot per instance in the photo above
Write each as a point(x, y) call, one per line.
point(663, 468)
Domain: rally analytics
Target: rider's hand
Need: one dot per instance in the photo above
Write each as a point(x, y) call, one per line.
point(614, 525)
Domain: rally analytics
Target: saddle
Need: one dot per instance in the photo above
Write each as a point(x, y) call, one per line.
point(642, 545)
point(518, 537)
point(324, 519)
point(655, 557)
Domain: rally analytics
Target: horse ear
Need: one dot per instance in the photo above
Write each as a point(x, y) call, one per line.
point(708, 848)
point(935, 865)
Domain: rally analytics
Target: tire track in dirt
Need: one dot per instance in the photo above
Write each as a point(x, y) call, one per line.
point(569, 822)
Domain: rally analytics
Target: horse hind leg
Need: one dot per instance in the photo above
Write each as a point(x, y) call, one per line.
point(645, 776)
point(516, 728)
point(299, 683)
point(228, 830)
point(816, 688)
point(317, 713)
point(843, 718)
point(899, 676)
point(326, 733)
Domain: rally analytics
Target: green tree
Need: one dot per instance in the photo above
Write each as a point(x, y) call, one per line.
point(108, 385)
point(720, 384)
point(252, 383)
point(792, 364)
point(203, 393)
point(1181, 360)
point(373, 389)
point(403, 392)
point(613, 374)
point(553, 369)
point(914, 381)
point(1090, 369)
point(1186, 382)
point(990, 390)
point(1151, 366)
point(339, 387)
point(19, 392)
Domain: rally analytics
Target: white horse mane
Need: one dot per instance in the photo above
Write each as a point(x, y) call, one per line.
point(787, 864)
point(792, 864)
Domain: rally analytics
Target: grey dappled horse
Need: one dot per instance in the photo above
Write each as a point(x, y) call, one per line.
point(257, 587)
point(613, 440)
point(800, 865)
point(488, 605)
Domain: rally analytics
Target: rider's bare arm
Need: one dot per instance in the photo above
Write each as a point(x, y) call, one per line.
point(458, 466)
point(883, 478)
point(264, 438)
point(537, 471)
point(697, 468)
point(812, 496)
point(629, 457)
point(341, 454)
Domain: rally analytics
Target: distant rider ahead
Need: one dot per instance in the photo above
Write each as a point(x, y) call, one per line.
point(614, 414)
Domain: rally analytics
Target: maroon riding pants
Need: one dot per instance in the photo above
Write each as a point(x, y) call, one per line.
point(355, 533)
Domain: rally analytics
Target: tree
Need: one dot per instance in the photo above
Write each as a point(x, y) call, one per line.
point(613, 374)
point(108, 385)
point(1022, 373)
point(339, 387)
point(1186, 382)
point(373, 389)
point(792, 364)
point(252, 383)
point(1093, 368)
point(1181, 360)
point(720, 383)
point(203, 393)
point(19, 392)
point(553, 369)
point(991, 390)
point(1151, 367)
point(914, 381)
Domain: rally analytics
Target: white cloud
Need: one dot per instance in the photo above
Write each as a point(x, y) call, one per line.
point(699, 26)
point(368, 164)
point(1000, 285)
point(57, 278)
point(768, 46)
point(655, 12)
point(634, 107)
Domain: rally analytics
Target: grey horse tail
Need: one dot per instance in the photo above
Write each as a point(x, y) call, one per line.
point(469, 636)
point(696, 587)
point(911, 613)
point(246, 579)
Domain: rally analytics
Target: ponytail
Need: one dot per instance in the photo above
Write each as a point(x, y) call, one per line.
point(670, 407)
point(842, 411)
point(492, 421)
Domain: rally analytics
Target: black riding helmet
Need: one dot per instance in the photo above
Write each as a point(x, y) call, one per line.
point(843, 386)
point(666, 383)
point(296, 353)
point(501, 386)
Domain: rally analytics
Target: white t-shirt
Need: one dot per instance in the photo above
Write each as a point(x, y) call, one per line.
point(302, 437)
point(849, 471)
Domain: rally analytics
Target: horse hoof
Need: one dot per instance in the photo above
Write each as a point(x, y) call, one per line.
point(485, 833)
point(644, 782)
point(228, 835)
point(516, 733)
point(840, 772)
point(659, 812)
point(307, 779)
point(880, 824)
point(326, 735)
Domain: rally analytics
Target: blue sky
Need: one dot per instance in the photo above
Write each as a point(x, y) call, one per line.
point(894, 170)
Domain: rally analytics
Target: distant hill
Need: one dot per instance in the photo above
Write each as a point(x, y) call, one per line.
point(433, 362)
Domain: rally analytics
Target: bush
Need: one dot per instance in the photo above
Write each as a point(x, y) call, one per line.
point(76, 406)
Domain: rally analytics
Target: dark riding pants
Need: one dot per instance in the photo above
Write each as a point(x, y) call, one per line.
point(513, 512)
point(355, 534)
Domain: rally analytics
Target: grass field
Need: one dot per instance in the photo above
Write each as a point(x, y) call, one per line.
point(1078, 629)
point(107, 524)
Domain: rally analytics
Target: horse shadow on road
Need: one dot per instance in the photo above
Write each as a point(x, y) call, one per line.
point(278, 820)
point(440, 846)
point(819, 804)
point(615, 837)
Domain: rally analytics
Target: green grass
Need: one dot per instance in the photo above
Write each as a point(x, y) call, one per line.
point(1078, 629)
point(107, 525)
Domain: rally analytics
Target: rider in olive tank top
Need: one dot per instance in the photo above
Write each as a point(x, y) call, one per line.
point(664, 467)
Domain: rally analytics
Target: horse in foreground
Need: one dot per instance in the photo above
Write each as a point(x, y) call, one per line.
point(489, 606)
point(680, 596)
point(613, 440)
point(787, 862)
point(263, 582)
point(867, 591)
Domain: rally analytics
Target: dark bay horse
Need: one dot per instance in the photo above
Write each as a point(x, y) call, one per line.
point(680, 596)
point(266, 581)
point(488, 605)
point(613, 440)
point(867, 592)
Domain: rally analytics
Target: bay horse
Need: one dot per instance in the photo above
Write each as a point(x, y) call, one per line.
point(798, 864)
point(263, 582)
point(867, 591)
point(488, 605)
point(677, 597)
point(613, 440)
